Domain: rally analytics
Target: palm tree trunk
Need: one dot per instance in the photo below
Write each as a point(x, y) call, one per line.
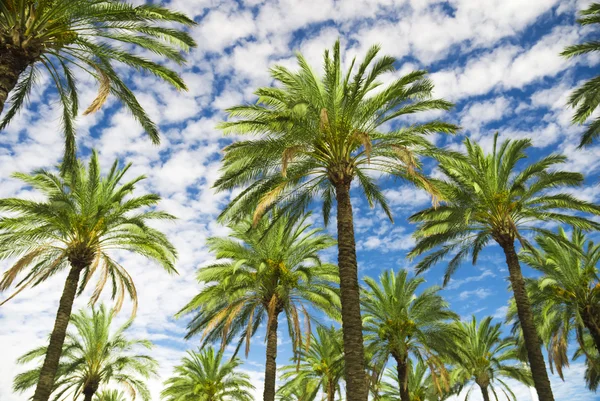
point(484, 392)
point(354, 354)
point(271, 363)
point(590, 321)
point(330, 390)
point(12, 65)
point(530, 335)
point(403, 378)
point(57, 338)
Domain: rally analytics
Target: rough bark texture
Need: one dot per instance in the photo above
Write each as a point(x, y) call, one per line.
point(592, 323)
point(530, 335)
point(403, 378)
point(12, 64)
point(484, 392)
point(271, 363)
point(57, 338)
point(354, 354)
point(330, 390)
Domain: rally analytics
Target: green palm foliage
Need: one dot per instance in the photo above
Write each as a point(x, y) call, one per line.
point(586, 98)
point(262, 271)
point(93, 357)
point(60, 36)
point(566, 299)
point(321, 366)
point(204, 376)
point(403, 324)
point(110, 395)
point(481, 355)
point(421, 384)
point(81, 220)
point(312, 137)
point(487, 198)
point(592, 362)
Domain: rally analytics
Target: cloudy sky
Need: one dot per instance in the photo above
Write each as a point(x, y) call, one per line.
point(496, 59)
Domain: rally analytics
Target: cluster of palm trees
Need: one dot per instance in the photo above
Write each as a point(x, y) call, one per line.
point(309, 138)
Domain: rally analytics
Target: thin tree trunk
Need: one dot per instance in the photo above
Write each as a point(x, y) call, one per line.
point(591, 323)
point(484, 392)
point(12, 65)
point(271, 364)
point(530, 335)
point(354, 354)
point(57, 338)
point(330, 390)
point(403, 378)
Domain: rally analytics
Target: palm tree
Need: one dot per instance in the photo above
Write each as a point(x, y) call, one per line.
point(405, 324)
point(480, 354)
point(586, 98)
point(204, 376)
point(319, 366)
point(93, 357)
point(566, 298)
point(486, 198)
point(61, 35)
point(261, 272)
point(110, 395)
point(312, 137)
point(82, 220)
point(422, 385)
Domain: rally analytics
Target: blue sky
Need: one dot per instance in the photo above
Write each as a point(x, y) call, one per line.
point(496, 59)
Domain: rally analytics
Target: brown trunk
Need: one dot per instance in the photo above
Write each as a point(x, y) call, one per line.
point(57, 338)
point(530, 335)
point(12, 64)
point(403, 378)
point(484, 392)
point(271, 363)
point(88, 393)
point(330, 390)
point(590, 320)
point(354, 354)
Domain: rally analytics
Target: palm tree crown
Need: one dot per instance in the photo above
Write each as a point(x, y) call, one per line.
point(93, 357)
point(422, 385)
point(314, 136)
point(480, 354)
point(586, 99)
point(485, 198)
point(566, 299)
point(60, 35)
point(261, 272)
point(204, 376)
point(405, 324)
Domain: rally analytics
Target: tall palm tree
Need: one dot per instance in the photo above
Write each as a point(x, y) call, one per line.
point(566, 299)
point(204, 376)
point(321, 364)
point(422, 384)
point(404, 324)
point(486, 198)
point(586, 98)
point(110, 395)
point(91, 35)
point(93, 357)
point(82, 219)
point(261, 272)
point(312, 137)
point(480, 354)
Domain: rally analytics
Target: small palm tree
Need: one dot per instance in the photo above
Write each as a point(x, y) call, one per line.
point(405, 324)
point(566, 298)
point(586, 98)
point(319, 366)
point(83, 218)
point(60, 35)
point(261, 272)
point(204, 376)
point(110, 395)
point(93, 357)
point(312, 137)
point(422, 384)
point(479, 354)
point(487, 199)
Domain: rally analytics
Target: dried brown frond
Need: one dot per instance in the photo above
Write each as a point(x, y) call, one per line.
point(266, 201)
point(103, 92)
